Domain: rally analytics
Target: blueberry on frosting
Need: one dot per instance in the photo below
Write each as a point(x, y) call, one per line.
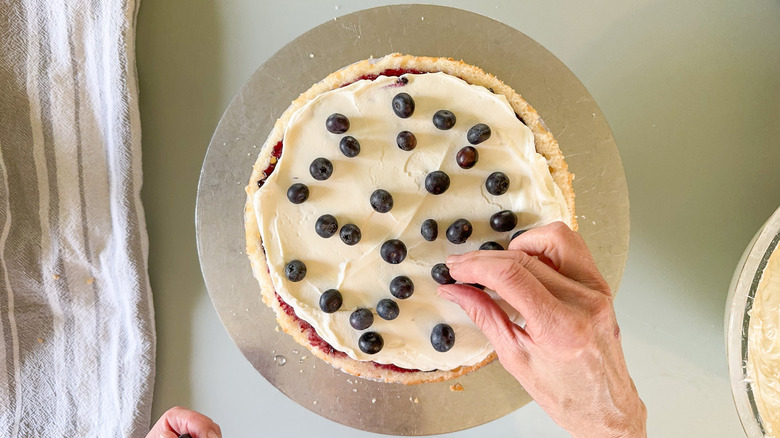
point(478, 133)
point(337, 123)
point(403, 105)
point(444, 119)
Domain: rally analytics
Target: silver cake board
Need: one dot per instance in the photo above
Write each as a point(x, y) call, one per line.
point(562, 101)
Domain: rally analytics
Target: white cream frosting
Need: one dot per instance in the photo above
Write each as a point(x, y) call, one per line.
point(764, 346)
point(358, 271)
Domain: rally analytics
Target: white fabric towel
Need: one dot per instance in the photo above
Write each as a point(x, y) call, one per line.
point(77, 342)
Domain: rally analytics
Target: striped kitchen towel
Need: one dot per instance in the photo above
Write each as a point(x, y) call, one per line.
point(77, 340)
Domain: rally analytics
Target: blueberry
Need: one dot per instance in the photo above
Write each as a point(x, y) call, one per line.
point(337, 123)
point(497, 183)
point(402, 287)
point(331, 301)
point(321, 169)
point(459, 231)
point(503, 221)
point(441, 274)
point(429, 230)
point(393, 251)
point(350, 234)
point(326, 226)
point(491, 246)
point(406, 140)
point(403, 105)
point(349, 146)
point(298, 193)
point(478, 133)
point(444, 119)
point(467, 157)
point(381, 201)
point(442, 338)
point(437, 182)
point(517, 233)
point(371, 343)
point(361, 319)
point(295, 270)
point(387, 309)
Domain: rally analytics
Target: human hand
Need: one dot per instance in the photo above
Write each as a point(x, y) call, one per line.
point(568, 355)
point(178, 421)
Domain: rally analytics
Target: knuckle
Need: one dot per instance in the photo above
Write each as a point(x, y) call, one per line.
point(510, 274)
point(559, 228)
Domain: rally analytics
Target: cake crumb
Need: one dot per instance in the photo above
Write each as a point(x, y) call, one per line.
point(311, 55)
point(55, 276)
point(414, 399)
point(276, 329)
point(90, 280)
point(456, 387)
point(40, 341)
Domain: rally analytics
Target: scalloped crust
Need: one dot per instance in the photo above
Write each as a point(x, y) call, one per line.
point(301, 331)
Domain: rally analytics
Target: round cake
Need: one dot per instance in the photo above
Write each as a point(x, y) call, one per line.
point(763, 364)
point(364, 186)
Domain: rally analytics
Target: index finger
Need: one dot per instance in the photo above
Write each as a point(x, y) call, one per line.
point(513, 283)
point(565, 250)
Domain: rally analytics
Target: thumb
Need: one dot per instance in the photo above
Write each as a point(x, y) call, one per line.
point(503, 334)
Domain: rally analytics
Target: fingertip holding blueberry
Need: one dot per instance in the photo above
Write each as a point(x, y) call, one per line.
point(491, 246)
point(331, 301)
point(517, 233)
point(441, 274)
point(337, 123)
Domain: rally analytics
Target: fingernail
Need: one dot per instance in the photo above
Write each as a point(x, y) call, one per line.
point(212, 434)
point(452, 259)
point(444, 292)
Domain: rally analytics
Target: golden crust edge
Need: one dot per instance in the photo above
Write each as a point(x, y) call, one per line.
point(545, 143)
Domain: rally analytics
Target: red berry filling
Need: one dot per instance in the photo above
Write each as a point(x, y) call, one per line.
point(316, 341)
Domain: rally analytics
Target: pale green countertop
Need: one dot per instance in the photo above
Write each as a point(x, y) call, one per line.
point(691, 91)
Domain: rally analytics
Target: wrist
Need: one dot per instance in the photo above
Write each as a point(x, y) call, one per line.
point(632, 425)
